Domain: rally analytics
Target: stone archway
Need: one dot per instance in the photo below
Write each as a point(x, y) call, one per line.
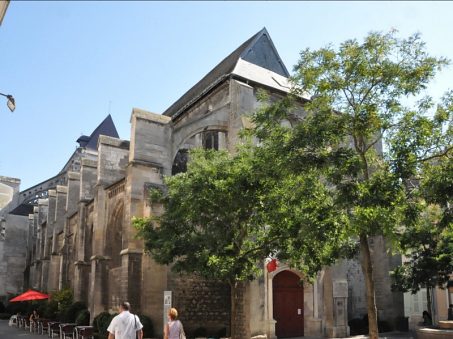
point(207, 138)
point(288, 304)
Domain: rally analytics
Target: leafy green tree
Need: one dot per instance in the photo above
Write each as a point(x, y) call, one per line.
point(427, 241)
point(209, 224)
point(215, 220)
point(356, 99)
point(429, 249)
point(64, 298)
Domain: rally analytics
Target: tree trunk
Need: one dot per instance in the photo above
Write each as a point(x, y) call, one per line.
point(238, 324)
point(367, 269)
point(428, 301)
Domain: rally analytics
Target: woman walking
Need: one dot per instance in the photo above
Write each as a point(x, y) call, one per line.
point(173, 329)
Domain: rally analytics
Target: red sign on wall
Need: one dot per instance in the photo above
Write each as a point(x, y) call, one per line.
point(271, 265)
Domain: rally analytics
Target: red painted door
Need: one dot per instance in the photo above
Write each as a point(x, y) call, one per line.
point(288, 294)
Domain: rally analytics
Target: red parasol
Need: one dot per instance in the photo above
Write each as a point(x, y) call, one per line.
point(30, 295)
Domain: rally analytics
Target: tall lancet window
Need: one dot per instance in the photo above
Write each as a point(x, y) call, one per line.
point(210, 140)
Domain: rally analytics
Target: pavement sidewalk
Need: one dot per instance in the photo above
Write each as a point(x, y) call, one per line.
point(7, 332)
point(387, 335)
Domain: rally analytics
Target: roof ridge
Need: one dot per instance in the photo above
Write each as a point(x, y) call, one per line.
point(225, 67)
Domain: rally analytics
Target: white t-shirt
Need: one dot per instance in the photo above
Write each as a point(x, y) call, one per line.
point(124, 326)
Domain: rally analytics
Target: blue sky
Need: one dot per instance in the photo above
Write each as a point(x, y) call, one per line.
point(69, 64)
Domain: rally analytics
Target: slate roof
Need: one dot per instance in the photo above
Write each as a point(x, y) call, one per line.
point(23, 209)
point(106, 127)
point(259, 50)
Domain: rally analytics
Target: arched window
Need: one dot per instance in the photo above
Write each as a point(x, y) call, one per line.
point(210, 140)
point(180, 162)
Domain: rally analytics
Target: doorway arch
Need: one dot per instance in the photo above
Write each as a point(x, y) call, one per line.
point(288, 305)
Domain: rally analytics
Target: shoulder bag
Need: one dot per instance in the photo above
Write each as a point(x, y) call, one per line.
point(182, 335)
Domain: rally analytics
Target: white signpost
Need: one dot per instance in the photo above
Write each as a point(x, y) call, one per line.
point(167, 304)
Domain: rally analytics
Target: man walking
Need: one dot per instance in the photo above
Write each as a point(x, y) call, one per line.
point(125, 325)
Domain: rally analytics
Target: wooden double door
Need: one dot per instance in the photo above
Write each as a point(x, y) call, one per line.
point(288, 299)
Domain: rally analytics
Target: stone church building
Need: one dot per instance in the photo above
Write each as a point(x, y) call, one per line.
point(79, 232)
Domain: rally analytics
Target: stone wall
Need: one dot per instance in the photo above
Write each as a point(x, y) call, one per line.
point(390, 305)
point(258, 306)
point(212, 113)
point(153, 283)
point(71, 249)
point(114, 289)
point(9, 191)
point(13, 255)
point(200, 303)
point(240, 316)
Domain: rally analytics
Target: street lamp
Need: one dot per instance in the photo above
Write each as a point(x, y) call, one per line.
point(11, 102)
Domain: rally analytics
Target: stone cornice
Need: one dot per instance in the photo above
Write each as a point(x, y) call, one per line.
point(62, 189)
point(149, 116)
point(110, 141)
point(100, 257)
point(89, 163)
point(73, 175)
point(131, 251)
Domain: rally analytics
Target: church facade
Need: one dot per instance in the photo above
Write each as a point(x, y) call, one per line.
point(80, 232)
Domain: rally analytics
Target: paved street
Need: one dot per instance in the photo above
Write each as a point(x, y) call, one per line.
point(388, 335)
point(7, 332)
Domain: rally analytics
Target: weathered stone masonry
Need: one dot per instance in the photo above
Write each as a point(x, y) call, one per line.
point(80, 235)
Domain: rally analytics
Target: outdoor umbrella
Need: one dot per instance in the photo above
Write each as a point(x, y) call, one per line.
point(30, 295)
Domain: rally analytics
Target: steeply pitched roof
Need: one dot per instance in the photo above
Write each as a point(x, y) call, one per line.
point(106, 127)
point(258, 50)
point(23, 209)
point(262, 52)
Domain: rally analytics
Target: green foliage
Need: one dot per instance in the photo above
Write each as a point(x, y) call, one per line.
point(64, 298)
point(49, 310)
point(319, 184)
point(148, 327)
point(83, 318)
point(155, 195)
point(16, 307)
point(353, 101)
point(429, 249)
point(422, 152)
point(101, 322)
point(72, 311)
point(212, 222)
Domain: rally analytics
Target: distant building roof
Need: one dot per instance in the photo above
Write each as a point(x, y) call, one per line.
point(259, 51)
point(31, 194)
point(23, 209)
point(106, 127)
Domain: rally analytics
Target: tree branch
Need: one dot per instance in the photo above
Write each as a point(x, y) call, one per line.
point(375, 141)
point(437, 155)
point(258, 248)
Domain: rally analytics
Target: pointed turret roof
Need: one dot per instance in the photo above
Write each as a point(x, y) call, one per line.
point(259, 51)
point(106, 127)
